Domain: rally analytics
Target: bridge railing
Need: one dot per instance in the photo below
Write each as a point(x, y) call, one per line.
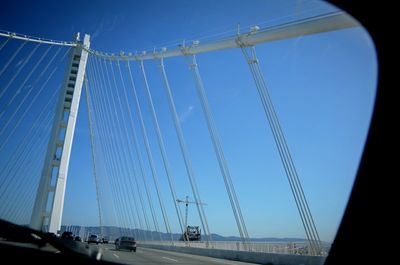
point(297, 248)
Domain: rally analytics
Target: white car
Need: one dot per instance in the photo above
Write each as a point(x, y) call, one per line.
point(93, 239)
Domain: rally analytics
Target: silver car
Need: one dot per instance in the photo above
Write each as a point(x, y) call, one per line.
point(93, 239)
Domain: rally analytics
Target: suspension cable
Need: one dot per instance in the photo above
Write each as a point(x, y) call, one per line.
point(14, 162)
point(12, 58)
point(20, 197)
point(139, 157)
point(94, 84)
point(219, 151)
point(4, 43)
point(291, 173)
point(91, 136)
point(149, 153)
point(24, 165)
point(182, 144)
point(285, 164)
point(19, 70)
point(22, 144)
point(133, 139)
point(27, 198)
point(18, 91)
point(117, 153)
point(30, 104)
point(113, 154)
point(130, 151)
point(105, 146)
point(124, 156)
point(161, 145)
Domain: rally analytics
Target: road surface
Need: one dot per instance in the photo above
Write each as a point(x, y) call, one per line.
point(147, 256)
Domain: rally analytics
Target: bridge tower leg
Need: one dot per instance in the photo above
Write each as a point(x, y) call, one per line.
point(49, 202)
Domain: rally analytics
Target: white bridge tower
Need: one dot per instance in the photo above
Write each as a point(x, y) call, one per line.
point(48, 207)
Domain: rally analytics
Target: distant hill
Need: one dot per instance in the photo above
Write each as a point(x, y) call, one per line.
point(217, 237)
point(113, 232)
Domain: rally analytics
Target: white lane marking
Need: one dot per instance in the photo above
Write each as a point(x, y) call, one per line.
point(223, 262)
point(116, 255)
point(169, 259)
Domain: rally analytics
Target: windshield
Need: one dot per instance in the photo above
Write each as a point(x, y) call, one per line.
point(227, 125)
point(128, 238)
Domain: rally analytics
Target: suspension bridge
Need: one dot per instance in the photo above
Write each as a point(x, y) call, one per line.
point(38, 124)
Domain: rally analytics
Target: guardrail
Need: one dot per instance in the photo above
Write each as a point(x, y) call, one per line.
point(275, 252)
point(297, 248)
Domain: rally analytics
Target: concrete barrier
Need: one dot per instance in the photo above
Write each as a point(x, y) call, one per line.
point(245, 256)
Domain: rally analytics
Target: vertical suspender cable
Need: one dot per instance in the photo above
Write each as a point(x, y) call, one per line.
point(146, 142)
point(295, 178)
point(124, 156)
point(139, 157)
point(219, 152)
point(297, 183)
point(149, 155)
point(162, 149)
point(91, 136)
point(130, 151)
point(184, 151)
point(287, 161)
point(109, 167)
point(113, 123)
point(121, 152)
point(115, 120)
point(251, 63)
point(135, 146)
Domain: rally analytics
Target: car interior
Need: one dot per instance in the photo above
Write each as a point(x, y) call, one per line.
point(363, 223)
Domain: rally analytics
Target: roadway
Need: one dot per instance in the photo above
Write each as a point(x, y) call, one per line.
point(145, 256)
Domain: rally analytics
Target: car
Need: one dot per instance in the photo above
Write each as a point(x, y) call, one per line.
point(125, 242)
point(78, 238)
point(93, 239)
point(104, 240)
point(67, 235)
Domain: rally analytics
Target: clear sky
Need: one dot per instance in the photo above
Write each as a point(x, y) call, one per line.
point(322, 86)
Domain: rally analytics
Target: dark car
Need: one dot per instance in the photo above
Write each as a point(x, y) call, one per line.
point(125, 242)
point(67, 235)
point(78, 238)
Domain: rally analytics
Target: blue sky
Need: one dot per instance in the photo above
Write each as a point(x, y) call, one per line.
point(322, 86)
